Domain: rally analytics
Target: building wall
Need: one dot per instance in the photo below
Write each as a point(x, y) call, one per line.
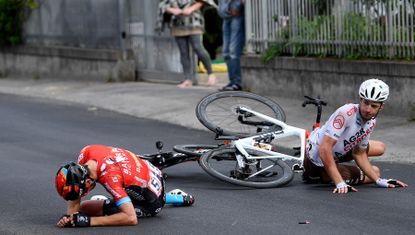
point(337, 81)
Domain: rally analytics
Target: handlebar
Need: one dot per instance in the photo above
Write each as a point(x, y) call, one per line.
point(317, 102)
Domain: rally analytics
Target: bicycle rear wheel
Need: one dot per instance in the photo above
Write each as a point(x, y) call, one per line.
point(260, 173)
point(194, 149)
point(218, 110)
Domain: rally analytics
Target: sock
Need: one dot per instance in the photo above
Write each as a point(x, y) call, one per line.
point(174, 199)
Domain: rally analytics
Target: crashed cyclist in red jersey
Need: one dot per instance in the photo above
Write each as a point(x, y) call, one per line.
point(136, 186)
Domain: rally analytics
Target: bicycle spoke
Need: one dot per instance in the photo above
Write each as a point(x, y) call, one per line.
point(219, 110)
point(222, 164)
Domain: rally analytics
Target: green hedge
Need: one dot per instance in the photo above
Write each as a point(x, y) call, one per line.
point(12, 16)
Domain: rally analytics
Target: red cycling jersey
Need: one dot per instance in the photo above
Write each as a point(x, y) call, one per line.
point(118, 169)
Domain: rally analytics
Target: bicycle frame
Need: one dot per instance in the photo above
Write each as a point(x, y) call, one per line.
point(286, 131)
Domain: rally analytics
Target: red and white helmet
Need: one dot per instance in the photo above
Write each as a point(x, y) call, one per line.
point(374, 90)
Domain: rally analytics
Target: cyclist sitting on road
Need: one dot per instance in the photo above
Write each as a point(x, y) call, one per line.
point(137, 188)
point(345, 137)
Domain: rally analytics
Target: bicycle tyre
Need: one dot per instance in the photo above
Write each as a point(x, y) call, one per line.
point(218, 110)
point(229, 154)
point(194, 149)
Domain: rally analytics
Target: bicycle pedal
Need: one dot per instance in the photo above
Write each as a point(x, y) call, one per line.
point(297, 168)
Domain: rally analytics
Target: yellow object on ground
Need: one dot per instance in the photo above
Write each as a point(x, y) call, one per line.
point(217, 68)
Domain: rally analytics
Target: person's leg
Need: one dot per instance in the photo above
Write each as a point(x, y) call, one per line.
point(351, 174)
point(311, 173)
point(376, 148)
point(183, 45)
point(149, 209)
point(236, 45)
point(226, 30)
point(93, 207)
point(99, 207)
point(196, 42)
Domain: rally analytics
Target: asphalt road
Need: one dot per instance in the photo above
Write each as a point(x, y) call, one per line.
point(37, 135)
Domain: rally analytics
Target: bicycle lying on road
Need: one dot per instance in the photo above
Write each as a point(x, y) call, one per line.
point(251, 154)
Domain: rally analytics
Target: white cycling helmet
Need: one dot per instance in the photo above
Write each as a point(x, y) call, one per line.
point(374, 90)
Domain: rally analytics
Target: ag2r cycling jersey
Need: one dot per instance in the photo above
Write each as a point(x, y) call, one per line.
point(347, 127)
point(121, 171)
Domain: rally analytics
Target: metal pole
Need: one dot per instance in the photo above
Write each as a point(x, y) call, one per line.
point(122, 28)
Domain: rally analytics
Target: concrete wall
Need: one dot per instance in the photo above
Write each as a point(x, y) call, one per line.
point(337, 81)
point(66, 62)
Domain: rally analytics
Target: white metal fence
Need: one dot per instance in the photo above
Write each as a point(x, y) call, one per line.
point(342, 28)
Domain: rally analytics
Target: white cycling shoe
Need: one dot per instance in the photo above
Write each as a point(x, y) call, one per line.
point(99, 198)
point(188, 199)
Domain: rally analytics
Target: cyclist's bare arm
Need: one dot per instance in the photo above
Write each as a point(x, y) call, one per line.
point(126, 216)
point(326, 156)
point(73, 206)
point(362, 160)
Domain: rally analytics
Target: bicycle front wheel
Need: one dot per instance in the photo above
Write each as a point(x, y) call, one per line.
point(218, 110)
point(260, 173)
point(195, 150)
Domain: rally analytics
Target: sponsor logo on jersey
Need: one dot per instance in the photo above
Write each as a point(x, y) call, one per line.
point(134, 194)
point(80, 157)
point(103, 166)
point(338, 122)
point(351, 111)
point(357, 138)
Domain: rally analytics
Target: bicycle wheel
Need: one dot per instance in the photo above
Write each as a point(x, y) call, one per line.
point(218, 110)
point(194, 149)
point(260, 173)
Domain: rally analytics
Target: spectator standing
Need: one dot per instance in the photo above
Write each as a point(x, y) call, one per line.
point(232, 13)
point(187, 24)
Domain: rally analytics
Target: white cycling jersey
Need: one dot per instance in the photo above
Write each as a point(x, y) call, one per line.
point(346, 126)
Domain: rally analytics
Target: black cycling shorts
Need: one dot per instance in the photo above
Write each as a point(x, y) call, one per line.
point(145, 202)
point(316, 174)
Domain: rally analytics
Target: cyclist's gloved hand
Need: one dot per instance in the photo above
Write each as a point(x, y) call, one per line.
point(342, 187)
point(80, 219)
point(390, 183)
point(64, 221)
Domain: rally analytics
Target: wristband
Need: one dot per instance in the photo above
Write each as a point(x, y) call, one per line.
point(81, 220)
point(342, 185)
point(383, 183)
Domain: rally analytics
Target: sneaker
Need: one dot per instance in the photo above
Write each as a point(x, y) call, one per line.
point(231, 87)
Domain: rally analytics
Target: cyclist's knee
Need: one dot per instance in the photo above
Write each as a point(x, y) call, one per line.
point(376, 148)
